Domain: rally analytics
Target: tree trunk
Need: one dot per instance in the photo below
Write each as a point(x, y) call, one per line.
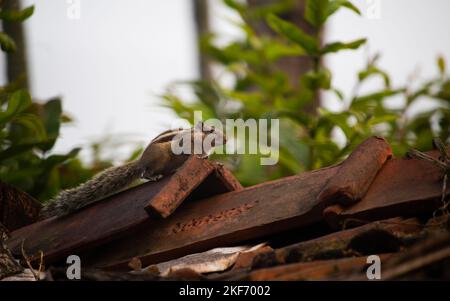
point(294, 67)
point(16, 62)
point(202, 28)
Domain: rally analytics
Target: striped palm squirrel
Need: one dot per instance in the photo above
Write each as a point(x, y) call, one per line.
point(157, 160)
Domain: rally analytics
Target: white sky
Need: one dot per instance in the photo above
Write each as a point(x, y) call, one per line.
point(110, 65)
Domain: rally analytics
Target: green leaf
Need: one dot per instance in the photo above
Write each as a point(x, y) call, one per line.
point(50, 114)
point(377, 96)
point(16, 150)
point(335, 5)
point(373, 70)
point(252, 101)
point(16, 15)
point(234, 5)
point(33, 123)
point(6, 43)
point(17, 103)
point(317, 80)
point(316, 12)
point(294, 33)
point(422, 91)
point(441, 65)
point(444, 92)
point(55, 160)
point(336, 119)
point(275, 50)
point(65, 118)
point(338, 46)
point(338, 93)
point(26, 174)
point(382, 118)
point(287, 160)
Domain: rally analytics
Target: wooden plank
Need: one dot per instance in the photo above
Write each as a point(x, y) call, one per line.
point(110, 218)
point(357, 172)
point(376, 237)
point(225, 219)
point(316, 270)
point(17, 208)
point(403, 187)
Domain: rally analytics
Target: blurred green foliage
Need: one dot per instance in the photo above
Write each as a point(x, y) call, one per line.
point(6, 43)
point(28, 133)
point(307, 139)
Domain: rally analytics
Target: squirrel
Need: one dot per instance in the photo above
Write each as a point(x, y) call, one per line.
point(157, 160)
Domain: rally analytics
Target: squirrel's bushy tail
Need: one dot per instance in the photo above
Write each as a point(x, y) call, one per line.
point(105, 183)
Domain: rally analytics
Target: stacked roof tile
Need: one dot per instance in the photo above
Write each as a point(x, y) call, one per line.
point(200, 223)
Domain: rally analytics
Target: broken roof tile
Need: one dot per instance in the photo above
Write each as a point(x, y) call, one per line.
point(356, 173)
point(404, 187)
point(346, 242)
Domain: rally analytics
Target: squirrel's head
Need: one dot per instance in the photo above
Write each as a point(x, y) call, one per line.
point(210, 134)
point(199, 138)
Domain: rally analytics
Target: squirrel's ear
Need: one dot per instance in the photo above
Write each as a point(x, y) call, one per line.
point(199, 126)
